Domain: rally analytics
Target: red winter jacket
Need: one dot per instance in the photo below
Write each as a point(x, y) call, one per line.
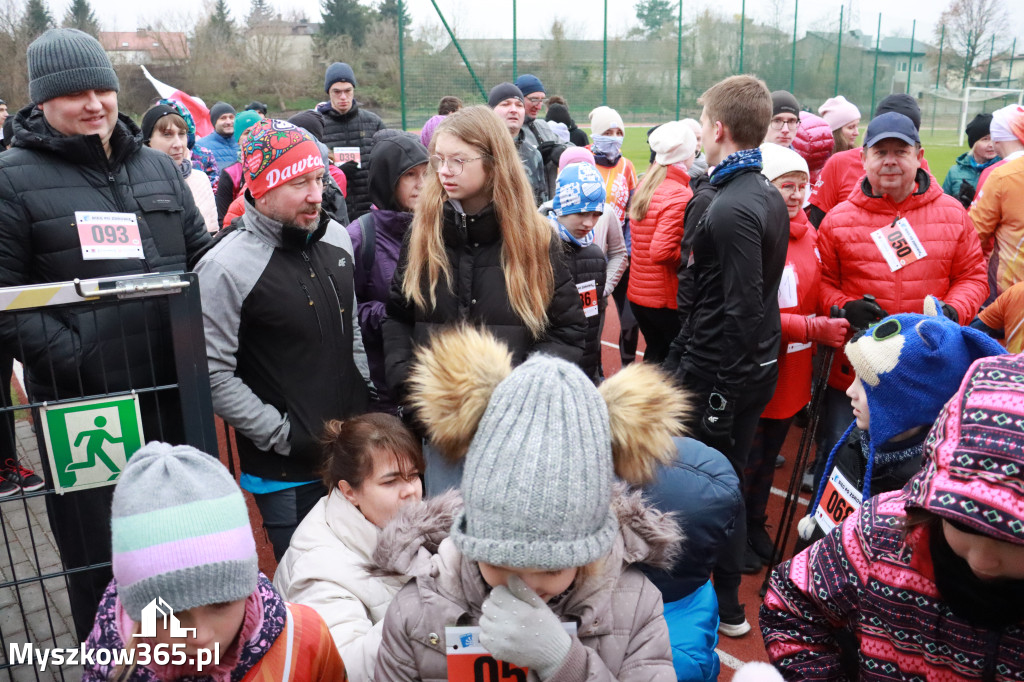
point(814, 142)
point(953, 269)
point(793, 389)
point(653, 265)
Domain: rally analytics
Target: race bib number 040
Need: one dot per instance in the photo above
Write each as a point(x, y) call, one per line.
point(898, 244)
point(468, 661)
point(109, 236)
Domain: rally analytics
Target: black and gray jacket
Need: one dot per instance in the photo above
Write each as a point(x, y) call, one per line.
point(354, 128)
point(538, 133)
point(533, 163)
point(283, 341)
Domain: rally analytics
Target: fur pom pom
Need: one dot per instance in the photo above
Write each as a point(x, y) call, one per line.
point(451, 382)
point(645, 410)
point(757, 671)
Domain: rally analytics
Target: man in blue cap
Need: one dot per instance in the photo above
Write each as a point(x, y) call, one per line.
point(896, 240)
point(536, 130)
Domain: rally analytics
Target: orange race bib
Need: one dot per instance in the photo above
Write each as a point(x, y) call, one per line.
point(840, 499)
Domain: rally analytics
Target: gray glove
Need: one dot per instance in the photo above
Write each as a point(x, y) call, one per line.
point(519, 628)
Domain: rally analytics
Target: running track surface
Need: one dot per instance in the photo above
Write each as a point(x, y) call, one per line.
point(732, 652)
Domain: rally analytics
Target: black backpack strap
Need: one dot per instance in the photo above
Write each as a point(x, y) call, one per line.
point(367, 252)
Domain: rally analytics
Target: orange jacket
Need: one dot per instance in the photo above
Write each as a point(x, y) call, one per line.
point(998, 215)
point(852, 265)
point(653, 280)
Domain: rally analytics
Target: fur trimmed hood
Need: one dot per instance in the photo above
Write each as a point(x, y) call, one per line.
point(409, 544)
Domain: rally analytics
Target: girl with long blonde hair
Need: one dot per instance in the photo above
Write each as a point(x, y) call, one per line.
point(479, 253)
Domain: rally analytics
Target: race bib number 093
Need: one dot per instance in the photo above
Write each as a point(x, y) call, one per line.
point(108, 236)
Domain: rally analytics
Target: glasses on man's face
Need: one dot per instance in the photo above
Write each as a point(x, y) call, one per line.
point(536, 101)
point(454, 164)
point(780, 123)
point(793, 187)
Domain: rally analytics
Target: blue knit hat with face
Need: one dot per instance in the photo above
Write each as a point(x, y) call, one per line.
point(580, 190)
point(911, 365)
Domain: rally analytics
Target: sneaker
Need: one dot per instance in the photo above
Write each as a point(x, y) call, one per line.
point(23, 477)
point(752, 563)
point(780, 461)
point(733, 625)
point(759, 541)
point(7, 488)
point(807, 482)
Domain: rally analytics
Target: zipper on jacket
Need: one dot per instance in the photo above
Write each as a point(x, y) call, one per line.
point(337, 297)
point(112, 181)
point(316, 314)
point(309, 264)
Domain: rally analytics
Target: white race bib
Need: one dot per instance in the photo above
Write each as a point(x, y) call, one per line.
point(898, 244)
point(588, 297)
point(346, 154)
point(840, 499)
point(109, 236)
point(787, 288)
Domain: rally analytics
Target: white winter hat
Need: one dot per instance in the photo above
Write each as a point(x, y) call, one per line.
point(603, 119)
point(672, 142)
point(777, 160)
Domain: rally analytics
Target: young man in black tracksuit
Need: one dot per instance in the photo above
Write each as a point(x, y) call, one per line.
point(731, 340)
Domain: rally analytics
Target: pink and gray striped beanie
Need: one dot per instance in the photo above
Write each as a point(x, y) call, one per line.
point(973, 472)
point(180, 531)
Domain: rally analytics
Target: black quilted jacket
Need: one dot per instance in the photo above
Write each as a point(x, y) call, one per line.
point(44, 179)
point(354, 128)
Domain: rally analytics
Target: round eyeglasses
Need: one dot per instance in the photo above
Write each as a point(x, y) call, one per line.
point(455, 165)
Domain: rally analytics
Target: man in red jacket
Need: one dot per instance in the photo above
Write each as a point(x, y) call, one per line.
point(895, 240)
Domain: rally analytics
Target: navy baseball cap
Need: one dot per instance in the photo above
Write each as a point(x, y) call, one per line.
point(891, 125)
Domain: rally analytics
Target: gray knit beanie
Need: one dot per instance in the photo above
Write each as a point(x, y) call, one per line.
point(218, 110)
point(537, 483)
point(63, 61)
point(180, 531)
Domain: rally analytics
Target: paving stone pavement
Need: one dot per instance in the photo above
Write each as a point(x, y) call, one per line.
point(35, 611)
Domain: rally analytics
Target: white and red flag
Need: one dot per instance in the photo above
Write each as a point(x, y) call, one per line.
point(196, 106)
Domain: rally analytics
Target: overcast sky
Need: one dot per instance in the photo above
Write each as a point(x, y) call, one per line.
point(583, 18)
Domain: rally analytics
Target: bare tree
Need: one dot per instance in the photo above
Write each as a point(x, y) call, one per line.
point(969, 26)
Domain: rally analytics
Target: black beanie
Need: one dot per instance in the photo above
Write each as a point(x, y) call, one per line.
point(783, 102)
point(310, 120)
point(978, 128)
point(901, 103)
point(560, 114)
point(150, 118)
point(503, 91)
point(218, 110)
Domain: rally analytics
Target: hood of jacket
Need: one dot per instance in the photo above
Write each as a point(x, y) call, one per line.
point(925, 193)
point(32, 131)
point(391, 158)
point(973, 470)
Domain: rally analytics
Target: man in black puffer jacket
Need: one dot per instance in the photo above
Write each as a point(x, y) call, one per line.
point(73, 152)
point(346, 125)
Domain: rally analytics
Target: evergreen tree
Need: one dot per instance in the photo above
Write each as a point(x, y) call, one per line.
point(344, 17)
point(36, 20)
point(260, 12)
point(221, 24)
point(655, 16)
point(389, 10)
point(81, 16)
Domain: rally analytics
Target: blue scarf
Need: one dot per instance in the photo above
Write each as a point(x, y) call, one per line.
point(734, 163)
point(566, 235)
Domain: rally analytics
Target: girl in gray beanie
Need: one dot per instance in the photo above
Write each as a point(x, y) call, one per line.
point(537, 569)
